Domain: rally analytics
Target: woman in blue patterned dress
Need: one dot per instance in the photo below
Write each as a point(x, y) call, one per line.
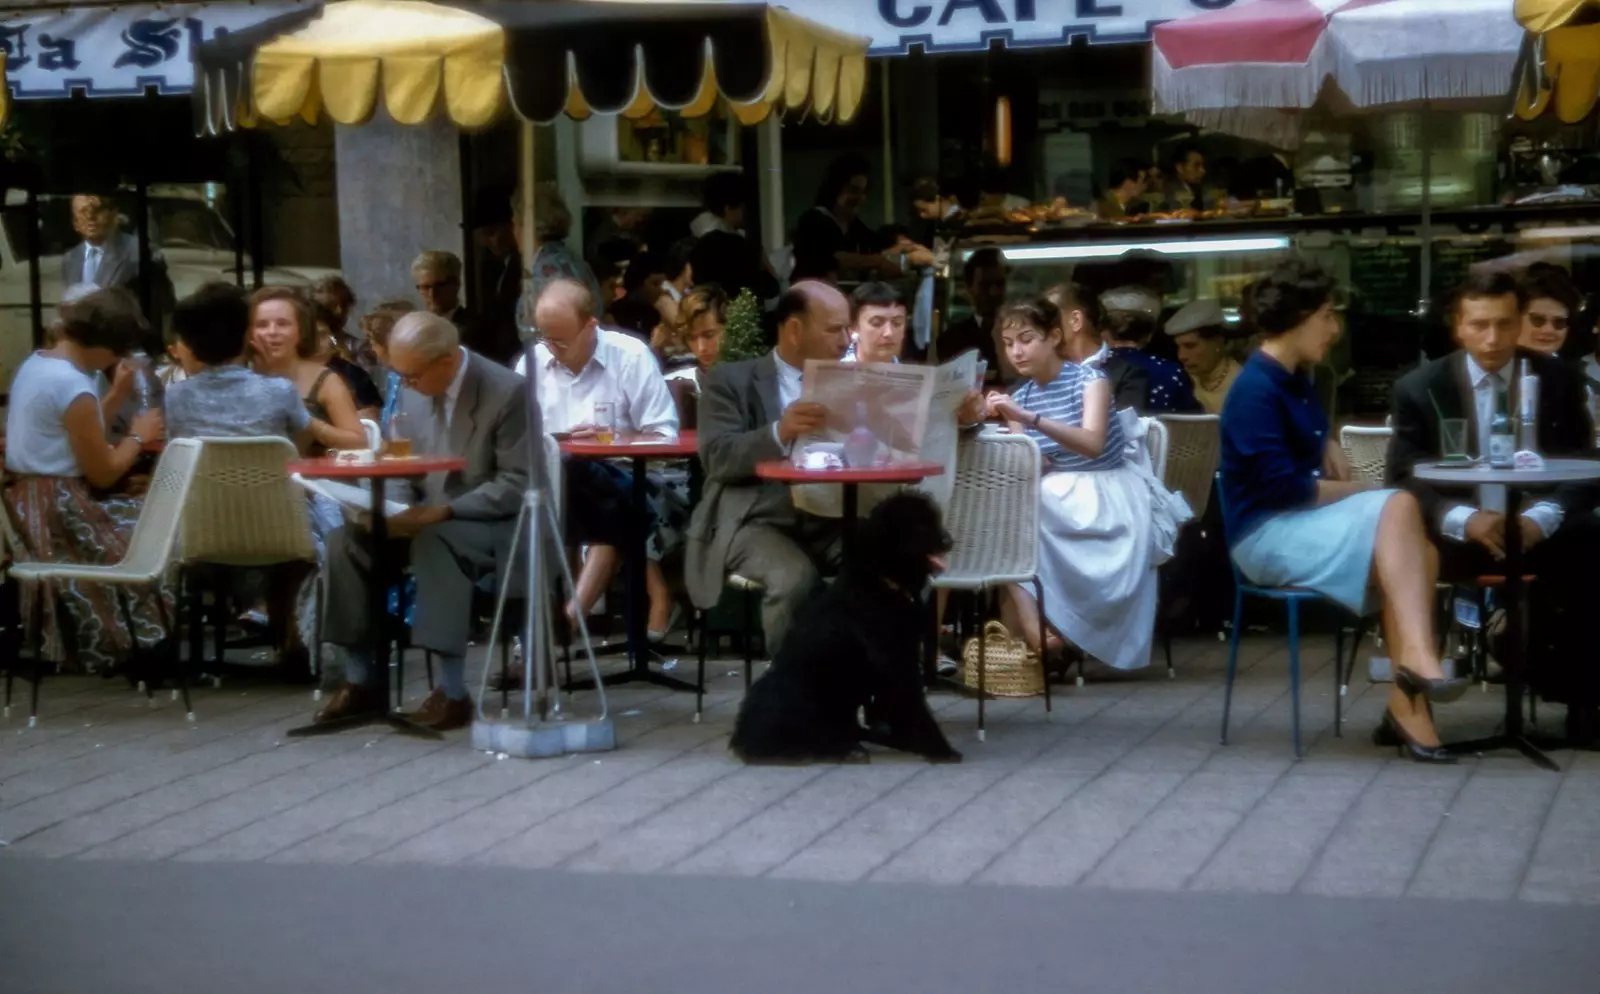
point(1098, 546)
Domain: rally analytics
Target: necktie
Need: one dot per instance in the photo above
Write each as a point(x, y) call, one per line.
point(439, 443)
point(91, 263)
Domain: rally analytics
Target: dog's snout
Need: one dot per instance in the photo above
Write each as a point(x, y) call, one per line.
point(939, 561)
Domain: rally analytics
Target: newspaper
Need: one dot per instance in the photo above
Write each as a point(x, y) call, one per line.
point(351, 497)
point(909, 410)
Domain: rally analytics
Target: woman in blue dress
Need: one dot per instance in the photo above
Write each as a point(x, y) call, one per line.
point(1295, 518)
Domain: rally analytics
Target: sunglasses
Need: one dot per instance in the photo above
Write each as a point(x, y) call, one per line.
point(1556, 323)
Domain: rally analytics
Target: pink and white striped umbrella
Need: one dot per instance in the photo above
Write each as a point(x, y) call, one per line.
point(1279, 54)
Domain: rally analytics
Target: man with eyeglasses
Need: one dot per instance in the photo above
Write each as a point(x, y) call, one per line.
point(437, 276)
point(457, 529)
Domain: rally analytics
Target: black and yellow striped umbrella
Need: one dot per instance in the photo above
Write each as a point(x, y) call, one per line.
point(574, 57)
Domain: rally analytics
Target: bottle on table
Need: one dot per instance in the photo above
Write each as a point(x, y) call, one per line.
point(1502, 439)
point(1527, 407)
point(861, 445)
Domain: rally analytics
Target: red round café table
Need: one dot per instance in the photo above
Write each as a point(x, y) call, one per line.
point(783, 471)
point(378, 588)
point(638, 451)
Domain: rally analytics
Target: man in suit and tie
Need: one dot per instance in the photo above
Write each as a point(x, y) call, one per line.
point(1560, 533)
point(108, 256)
point(459, 525)
point(751, 411)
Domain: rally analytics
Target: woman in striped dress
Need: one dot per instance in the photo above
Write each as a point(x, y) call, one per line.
point(1098, 549)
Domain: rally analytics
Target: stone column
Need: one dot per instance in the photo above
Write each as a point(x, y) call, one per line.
point(399, 195)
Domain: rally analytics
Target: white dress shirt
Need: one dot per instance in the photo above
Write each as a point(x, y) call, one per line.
point(1546, 514)
point(788, 391)
point(623, 371)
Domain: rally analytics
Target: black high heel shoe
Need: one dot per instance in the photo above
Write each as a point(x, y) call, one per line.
point(1391, 733)
point(1439, 691)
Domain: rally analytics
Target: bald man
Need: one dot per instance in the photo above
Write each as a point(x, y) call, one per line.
point(581, 365)
point(751, 412)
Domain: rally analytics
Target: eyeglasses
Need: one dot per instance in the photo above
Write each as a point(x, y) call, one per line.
point(436, 286)
point(412, 379)
point(1540, 320)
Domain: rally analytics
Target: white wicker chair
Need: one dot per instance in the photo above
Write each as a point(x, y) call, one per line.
point(243, 512)
point(1155, 440)
point(149, 554)
point(1367, 449)
point(993, 520)
point(1194, 449)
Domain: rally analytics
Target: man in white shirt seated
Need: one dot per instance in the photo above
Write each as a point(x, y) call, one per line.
point(877, 324)
point(581, 365)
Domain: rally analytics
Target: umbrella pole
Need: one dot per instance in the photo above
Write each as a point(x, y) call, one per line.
point(1425, 300)
point(769, 160)
point(888, 146)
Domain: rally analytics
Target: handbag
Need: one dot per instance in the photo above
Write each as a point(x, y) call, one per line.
point(1010, 668)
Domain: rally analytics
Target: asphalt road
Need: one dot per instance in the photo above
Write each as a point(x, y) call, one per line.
point(72, 927)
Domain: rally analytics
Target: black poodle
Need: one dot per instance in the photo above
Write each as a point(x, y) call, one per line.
point(854, 646)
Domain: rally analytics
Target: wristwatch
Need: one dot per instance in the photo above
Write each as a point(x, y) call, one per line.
point(1035, 422)
point(136, 437)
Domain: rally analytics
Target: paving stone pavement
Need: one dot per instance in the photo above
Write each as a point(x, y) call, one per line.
point(1123, 787)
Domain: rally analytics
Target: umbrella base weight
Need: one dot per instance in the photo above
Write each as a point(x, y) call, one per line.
point(545, 740)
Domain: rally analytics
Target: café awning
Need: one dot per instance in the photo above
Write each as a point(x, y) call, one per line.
point(574, 57)
point(1559, 70)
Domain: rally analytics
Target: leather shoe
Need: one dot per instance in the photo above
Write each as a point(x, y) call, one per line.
point(350, 700)
point(442, 714)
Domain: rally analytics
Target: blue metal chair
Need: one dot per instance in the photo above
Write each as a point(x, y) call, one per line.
point(1291, 598)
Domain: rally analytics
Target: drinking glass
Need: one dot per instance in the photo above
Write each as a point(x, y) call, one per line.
point(399, 446)
point(605, 422)
point(1453, 439)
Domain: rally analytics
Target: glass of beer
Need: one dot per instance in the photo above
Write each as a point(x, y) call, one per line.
point(605, 422)
point(399, 444)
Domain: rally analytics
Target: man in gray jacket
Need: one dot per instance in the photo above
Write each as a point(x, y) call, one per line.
point(458, 527)
point(750, 412)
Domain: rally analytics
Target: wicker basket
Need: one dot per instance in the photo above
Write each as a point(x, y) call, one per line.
point(1010, 668)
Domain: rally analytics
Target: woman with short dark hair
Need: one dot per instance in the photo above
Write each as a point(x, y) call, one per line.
point(61, 465)
point(1102, 515)
point(1295, 518)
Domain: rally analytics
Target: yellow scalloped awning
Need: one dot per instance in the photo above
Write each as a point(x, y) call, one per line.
point(415, 53)
point(813, 66)
point(1565, 76)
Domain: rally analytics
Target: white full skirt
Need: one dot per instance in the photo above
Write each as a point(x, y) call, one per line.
point(1098, 552)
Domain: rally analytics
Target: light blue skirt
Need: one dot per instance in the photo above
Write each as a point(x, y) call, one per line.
point(1327, 549)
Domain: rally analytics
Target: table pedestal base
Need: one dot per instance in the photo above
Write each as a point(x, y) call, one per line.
point(1494, 743)
point(395, 722)
point(637, 675)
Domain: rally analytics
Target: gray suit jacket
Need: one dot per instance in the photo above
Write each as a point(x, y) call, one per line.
point(738, 406)
point(489, 427)
point(118, 267)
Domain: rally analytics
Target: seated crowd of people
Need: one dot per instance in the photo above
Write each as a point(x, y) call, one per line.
point(1070, 370)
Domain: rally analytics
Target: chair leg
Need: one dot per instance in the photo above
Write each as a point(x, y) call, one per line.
point(1233, 662)
point(1338, 682)
point(747, 638)
point(703, 620)
point(1038, 598)
point(175, 659)
point(321, 587)
point(982, 693)
point(1294, 672)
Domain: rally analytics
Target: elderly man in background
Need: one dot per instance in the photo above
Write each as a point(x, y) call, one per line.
point(584, 372)
point(750, 412)
point(107, 256)
point(437, 276)
point(459, 524)
point(1199, 331)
